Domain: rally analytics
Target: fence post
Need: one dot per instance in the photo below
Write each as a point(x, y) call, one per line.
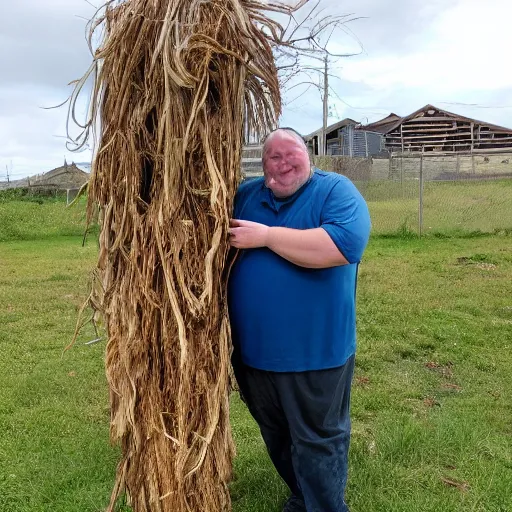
point(402, 174)
point(420, 213)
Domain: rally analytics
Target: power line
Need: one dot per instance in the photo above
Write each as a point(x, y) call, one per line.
point(473, 105)
point(369, 110)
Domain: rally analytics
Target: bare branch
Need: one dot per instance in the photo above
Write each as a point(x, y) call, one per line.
point(301, 94)
point(304, 83)
point(289, 23)
point(282, 8)
point(319, 71)
point(307, 18)
point(330, 35)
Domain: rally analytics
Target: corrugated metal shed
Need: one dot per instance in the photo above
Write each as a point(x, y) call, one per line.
point(355, 143)
point(358, 143)
point(345, 138)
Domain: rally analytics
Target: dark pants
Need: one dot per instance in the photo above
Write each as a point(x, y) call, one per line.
point(305, 423)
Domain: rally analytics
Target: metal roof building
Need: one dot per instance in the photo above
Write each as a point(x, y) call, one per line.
point(345, 138)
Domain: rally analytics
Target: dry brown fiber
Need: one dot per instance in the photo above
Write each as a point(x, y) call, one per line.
point(173, 82)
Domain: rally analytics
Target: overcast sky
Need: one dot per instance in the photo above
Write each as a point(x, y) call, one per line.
point(452, 53)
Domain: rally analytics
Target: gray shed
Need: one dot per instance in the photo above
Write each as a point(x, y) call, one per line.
point(344, 139)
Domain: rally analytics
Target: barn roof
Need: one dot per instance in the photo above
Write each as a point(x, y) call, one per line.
point(428, 107)
point(65, 176)
point(66, 168)
point(382, 125)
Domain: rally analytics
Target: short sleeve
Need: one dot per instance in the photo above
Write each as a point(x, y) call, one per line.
point(346, 219)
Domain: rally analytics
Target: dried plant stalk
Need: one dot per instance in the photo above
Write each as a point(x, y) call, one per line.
point(173, 82)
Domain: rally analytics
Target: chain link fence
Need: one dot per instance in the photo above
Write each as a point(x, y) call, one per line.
point(443, 194)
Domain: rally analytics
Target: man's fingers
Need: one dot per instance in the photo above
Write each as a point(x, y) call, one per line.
point(239, 223)
point(233, 239)
point(234, 242)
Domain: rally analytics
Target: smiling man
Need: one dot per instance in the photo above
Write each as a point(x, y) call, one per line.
point(302, 233)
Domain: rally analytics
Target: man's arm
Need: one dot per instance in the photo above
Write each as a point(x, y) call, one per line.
point(310, 248)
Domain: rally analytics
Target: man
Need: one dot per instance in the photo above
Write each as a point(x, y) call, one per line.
point(302, 233)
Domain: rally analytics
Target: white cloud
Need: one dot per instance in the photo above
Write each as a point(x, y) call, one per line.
point(465, 50)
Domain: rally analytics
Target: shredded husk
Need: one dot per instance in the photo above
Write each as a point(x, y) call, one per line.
point(174, 81)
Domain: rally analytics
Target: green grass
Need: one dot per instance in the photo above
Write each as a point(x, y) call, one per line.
point(54, 452)
point(458, 208)
point(432, 416)
point(25, 217)
point(450, 208)
point(433, 380)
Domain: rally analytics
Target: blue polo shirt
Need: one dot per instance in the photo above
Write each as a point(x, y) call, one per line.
point(287, 318)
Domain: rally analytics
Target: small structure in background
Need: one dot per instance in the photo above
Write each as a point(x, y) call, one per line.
point(346, 138)
point(431, 129)
point(68, 177)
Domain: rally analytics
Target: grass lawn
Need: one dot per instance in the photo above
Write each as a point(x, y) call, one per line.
point(432, 416)
point(455, 207)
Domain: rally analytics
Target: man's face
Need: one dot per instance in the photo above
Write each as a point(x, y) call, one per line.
point(285, 164)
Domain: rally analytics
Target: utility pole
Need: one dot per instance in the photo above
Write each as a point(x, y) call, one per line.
point(326, 105)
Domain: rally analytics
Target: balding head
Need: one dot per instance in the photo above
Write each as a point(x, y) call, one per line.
point(286, 163)
point(294, 134)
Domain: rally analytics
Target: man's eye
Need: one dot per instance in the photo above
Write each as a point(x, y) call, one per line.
point(274, 158)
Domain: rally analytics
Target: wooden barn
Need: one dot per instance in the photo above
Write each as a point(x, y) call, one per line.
point(436, 130)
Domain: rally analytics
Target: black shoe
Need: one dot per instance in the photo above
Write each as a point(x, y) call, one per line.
point(294, 504)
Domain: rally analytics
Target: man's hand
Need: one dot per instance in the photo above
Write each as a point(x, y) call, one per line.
point(245, 234)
